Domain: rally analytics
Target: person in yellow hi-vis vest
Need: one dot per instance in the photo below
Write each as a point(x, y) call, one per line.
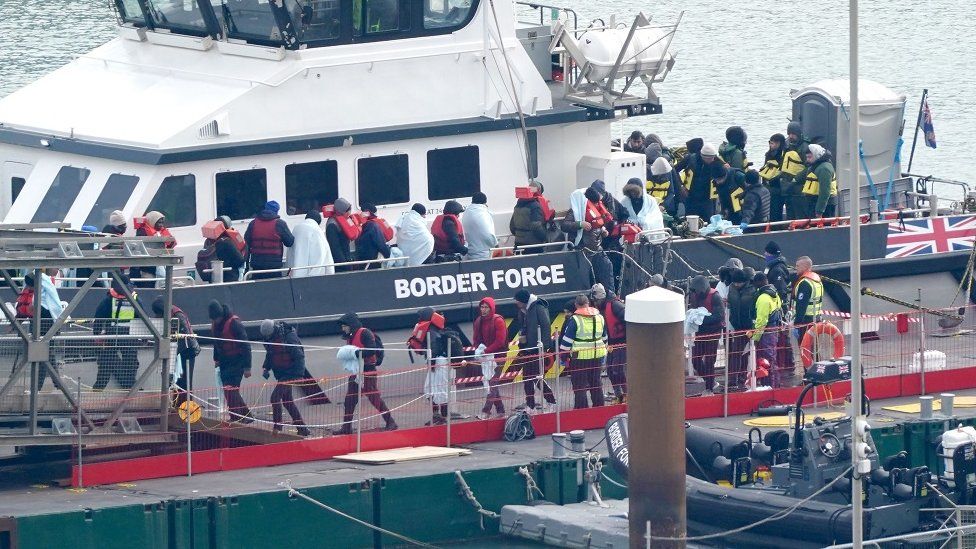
point(585, 337)
point(819, 183)
point(808, 293)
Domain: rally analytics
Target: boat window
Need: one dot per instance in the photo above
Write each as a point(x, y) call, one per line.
point(315, 19)
point(384, 179)
point(445, 13)
point(130, 12)
point(177, 200)
point(532, 154)
point(61, 194)
point(114, 195)
point(16, 185)
point(310, 186)
point(178, 15)
point(453, 173)
point(380, 16)
point(250, 20)
point(241, 195)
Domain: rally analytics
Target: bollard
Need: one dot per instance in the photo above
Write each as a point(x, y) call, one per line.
point(873, 210)
point(655, 320)
point(948, 403)
point(577, 441)
point(559, 445)
point(217, 271)
point(926, 411)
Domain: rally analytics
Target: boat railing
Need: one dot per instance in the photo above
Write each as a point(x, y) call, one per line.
point(516, 249)
point(250, 274)
point(926, 179)
point(542, 14)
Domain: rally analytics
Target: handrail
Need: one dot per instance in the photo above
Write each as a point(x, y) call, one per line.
point(538, 6)
point(965, 186)
point(531, 246)
point(249, 274)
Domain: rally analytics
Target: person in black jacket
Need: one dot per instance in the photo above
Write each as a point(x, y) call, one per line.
point(704, 352)
point(529, 224)
point(338, 241)
point(285, 356)
point(232, 354)
point(741, 306)
point(372, 243)
point(448, 233)
point(755, 201)
point(115, 357)
point(267, 236)
point(535, 339)
point(771, 172)
point(187, 348)
point(777, 272)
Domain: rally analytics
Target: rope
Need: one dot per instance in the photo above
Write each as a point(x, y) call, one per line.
point(295, 493)
point(864, 291)
point(530, 484)
point(779, 515)
point(469, 496)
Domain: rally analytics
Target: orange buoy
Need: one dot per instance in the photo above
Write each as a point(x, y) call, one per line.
point(817, 329)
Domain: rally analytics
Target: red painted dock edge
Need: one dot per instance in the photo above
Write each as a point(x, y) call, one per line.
point(469, 432)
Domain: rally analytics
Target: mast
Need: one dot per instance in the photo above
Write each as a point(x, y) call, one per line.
point(858, 457)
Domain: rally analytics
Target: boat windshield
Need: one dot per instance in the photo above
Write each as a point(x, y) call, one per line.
point(251, 20)
point(114, 196)
point(61, 194)
point(183, 16)
point(315, 20)
point(131, 12)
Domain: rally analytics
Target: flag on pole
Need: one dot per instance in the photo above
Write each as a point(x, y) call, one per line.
point(927, 127)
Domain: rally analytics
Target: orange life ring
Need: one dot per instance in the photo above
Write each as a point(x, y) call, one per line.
point(816, 329)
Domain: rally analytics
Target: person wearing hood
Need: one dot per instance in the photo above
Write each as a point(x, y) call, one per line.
point(634, 143)
point(725, 276)
point(777, 272)
point(285, 356)
point(362, 337)
point(772, 176)
point(267, 236)
point(531, 218)
point(478, 227)
point(662, 183)
point(154, 224)
point(587, 223)
point(374, 240)
point(228, 247)
point(794, 163)
point(341, 229)
point(187, 347)
point(489, 330)
point(448, 232)
point(232, 357)
point(741, 304)
point(733, 150)
point(819, 183)
point(641, 208)
point(414, 237)
point(704, 351)
point(767, 326)
point(310, 254)
point(534, 324)
point(116, 227)
point(586, 340)
point(697, 172)
point(612, 309)
point(115, 357)
point(755, 200)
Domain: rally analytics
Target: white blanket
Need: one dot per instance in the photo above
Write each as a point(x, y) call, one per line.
point(479, 231)
point(414, 238)
point(577, 202)
point(310, 248)
point(436, 383)
point(649, 217)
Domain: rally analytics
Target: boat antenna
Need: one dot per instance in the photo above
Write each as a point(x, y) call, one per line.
point(518, 102)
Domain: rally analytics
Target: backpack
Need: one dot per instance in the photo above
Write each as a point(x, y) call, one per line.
point(204, 261)
point(452, 343)
point(380, 352)
point(518, 427)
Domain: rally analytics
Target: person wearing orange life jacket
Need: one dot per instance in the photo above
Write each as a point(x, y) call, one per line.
point(285, 356)
point(448, 232)
point(229, 247)
point(612, 309)
point(587, 223)
point(586, 340)
point(115, 357)
point(154, 224)
point(428, 333)
point(342, 228)
point(232, 357)
point(705, 349)
point(532, 217)
point(377, 233)
point(358, 335)
point(267, 236)
point(489, 331)
point(51, 309)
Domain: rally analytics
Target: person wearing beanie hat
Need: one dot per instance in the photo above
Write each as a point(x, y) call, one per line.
point(755, 201)
point(771, 174)
point(362, 337)
point(449, 242)
point(662, 183)
point(694, 145)
point(611, 308)
point(709, 150)
point(267, 236)
point(342, 228)
point(819, 183)
point(285, 356)
point(732, 150)
point(705, 348)
point(730, 187)
point(373, 243)
point(310, 254)
point(598, 293)
point(232, 357)
point(697, 172)
point(534, 325)
point(740, 301)
point(793, 164)
point(413, 236)
point(478, 226)
point(153, 225)
point(767, 326)
point(777, 271)
point(116, 219)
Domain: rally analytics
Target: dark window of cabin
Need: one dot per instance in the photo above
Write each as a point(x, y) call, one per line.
point(114, 195)
point(61, 195)
point(130, 12)
point(310, 186)
point(16, 185)
point(453, 173)
point(250, 20)
point(178, 15)
point(446, 13)
point(381, 16)
point(315, 20)
point(241, 195)
point(384, 179)
point(532, 153)
point(177, 200)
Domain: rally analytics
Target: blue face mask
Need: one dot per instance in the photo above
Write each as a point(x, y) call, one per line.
point(769, 256)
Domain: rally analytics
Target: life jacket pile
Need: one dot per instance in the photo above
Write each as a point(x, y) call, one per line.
point(530, 193)
point(596, 214)
point(348, 222)
point(440, 236)
point(627, 231)
point(141, 223)
point(616, 327)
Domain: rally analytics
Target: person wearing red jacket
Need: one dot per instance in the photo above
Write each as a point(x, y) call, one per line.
point(490, 331)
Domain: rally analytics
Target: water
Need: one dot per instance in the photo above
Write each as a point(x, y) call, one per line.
point(736, 62)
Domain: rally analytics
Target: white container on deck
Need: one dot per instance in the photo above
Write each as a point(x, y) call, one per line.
point(934, 360)
point(646, 53)
point(953, 439)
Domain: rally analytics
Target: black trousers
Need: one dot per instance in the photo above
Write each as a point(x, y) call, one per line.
point(372, 393)
point(617, 368)
point(584, 374)
point(281, 397)
point(185, 381)
point(530, 376)
point(494, 397)
point(231, 379)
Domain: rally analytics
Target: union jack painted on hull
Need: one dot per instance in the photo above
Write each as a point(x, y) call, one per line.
point(931, 235)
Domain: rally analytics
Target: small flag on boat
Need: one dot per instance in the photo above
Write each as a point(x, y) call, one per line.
point(927, 126)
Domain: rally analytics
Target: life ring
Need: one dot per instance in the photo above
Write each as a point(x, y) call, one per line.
point(817, 329)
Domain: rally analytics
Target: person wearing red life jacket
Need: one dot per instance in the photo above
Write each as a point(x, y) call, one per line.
point(377, 233)
point(341, 229)
point(490, 330)
point(154, 224)
point(358, 335)
point(612, 309)
point(448, 231)
point(232, 355)
point(587, 223)
point(228, 247)
point(267, 236)
point(704, 351)
point(285, 356)
point(50, 309)
point(532, 218)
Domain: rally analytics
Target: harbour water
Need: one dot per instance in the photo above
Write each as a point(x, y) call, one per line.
point(736, 62)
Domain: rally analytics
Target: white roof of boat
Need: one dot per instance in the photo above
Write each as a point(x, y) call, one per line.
point(869, 91)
